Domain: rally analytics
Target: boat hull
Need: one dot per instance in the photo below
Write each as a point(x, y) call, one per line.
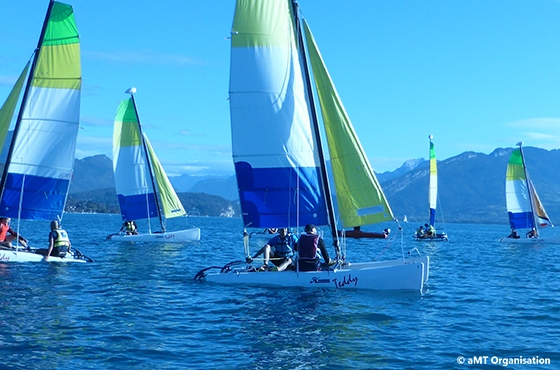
point(358, 234)
point(384, 276)
point(438, 238)
point(7, 256)
point(181, 236)
point(545, 240)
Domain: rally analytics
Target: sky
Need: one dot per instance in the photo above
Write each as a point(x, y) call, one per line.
point(477, 75)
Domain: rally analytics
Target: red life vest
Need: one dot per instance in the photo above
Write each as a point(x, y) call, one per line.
point(307, 246)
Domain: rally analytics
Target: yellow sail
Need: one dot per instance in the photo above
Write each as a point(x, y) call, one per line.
point(359, 196)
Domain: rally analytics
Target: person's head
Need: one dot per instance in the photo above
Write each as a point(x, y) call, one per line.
point(4, 220)
point(282, 232)
point(54, 225)
point(310, 229)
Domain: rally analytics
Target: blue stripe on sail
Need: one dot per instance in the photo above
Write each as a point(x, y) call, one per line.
point(432, 216)
point(522, 220)
point(43, 197)
point(268, 196)
point(134, 207)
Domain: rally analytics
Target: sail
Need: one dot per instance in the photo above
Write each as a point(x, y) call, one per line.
point(274, 150)
point(9, 107)
point(360, 198)
point(433, 189)
point(170, 204)
point(517, 194)
point(132, 177)
point(538, 208)
point(41, 159)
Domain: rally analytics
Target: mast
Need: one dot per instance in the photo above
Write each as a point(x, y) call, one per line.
point(316, 130)
point(132, 91)
point(529, 189)
point(25, 96)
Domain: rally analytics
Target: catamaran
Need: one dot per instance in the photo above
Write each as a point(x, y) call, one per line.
point(40, 162)
point(282, 180)
point(429, 233)
point(525, 210)
point(143, 188)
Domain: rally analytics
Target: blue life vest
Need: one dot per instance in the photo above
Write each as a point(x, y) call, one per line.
point(282, 246)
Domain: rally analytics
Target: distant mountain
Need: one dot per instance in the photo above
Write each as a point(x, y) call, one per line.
point(471, 185)
point(407, 166)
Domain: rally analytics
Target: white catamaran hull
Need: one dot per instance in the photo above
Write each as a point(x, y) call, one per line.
point(26, 256)
point(386, 275)
point(539, 240)
point(181, 236)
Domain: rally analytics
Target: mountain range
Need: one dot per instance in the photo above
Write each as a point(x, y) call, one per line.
point(471, 185)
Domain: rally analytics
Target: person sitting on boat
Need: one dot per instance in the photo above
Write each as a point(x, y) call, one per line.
point(430, 231)
point(532, 233)
point(308, 247)
point(129, 228)
point(420, 232)
point(280, 248)
point(59, 242)
point(514, 234)
point(386, 232)
point(7, 234)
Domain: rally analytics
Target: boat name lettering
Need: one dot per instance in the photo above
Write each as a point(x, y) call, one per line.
point(317, 280)
point(347, 280)
point(4, 257)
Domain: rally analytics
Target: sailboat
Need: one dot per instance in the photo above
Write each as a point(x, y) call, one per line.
point(282, 180)
point(425, 234)
point(525, 210)
point(143, 188)
point(40, 161)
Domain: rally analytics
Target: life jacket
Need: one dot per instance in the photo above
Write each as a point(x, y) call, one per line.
point(3, 231)
point(282, 246)
point(61, 242)
point(307, 247)
point(129, 226)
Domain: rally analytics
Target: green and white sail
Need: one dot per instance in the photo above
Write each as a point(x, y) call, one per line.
point(359, 196)
point(143, 188)
point(40, 160)
point(433, 187)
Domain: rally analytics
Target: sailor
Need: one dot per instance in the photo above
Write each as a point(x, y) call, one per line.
point(59, 242)
point(420, 232)
point(308, 248)
point(130, 228)
point(430, 231)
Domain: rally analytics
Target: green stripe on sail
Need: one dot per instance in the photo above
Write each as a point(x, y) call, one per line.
point(359, 196)
point(9, 107)
point(170, 203)
point(251, 30)
point(515, 167)
point(126, 131)
point(61, 43)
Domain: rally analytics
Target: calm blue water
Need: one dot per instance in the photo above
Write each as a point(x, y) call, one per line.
point(138, 307)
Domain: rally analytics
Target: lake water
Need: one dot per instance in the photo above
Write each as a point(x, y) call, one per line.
point(138, 307)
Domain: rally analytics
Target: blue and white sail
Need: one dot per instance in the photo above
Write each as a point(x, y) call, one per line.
point(274, 149)
point(40, 159)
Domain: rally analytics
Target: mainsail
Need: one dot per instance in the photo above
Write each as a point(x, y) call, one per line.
point(525, 210)
point(433, 188)
point(40, 160)
point(141, 183)
point(278, 173)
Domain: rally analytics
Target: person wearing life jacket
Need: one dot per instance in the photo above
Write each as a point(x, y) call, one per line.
point(130, 228)
point(280, 248)
point(59, 243)
point(7, 234)
point(308, 247)
point(430, 231)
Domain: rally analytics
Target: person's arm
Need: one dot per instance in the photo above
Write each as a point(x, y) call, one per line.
point(51, 245)
point(323, 249)
point(14, 233)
